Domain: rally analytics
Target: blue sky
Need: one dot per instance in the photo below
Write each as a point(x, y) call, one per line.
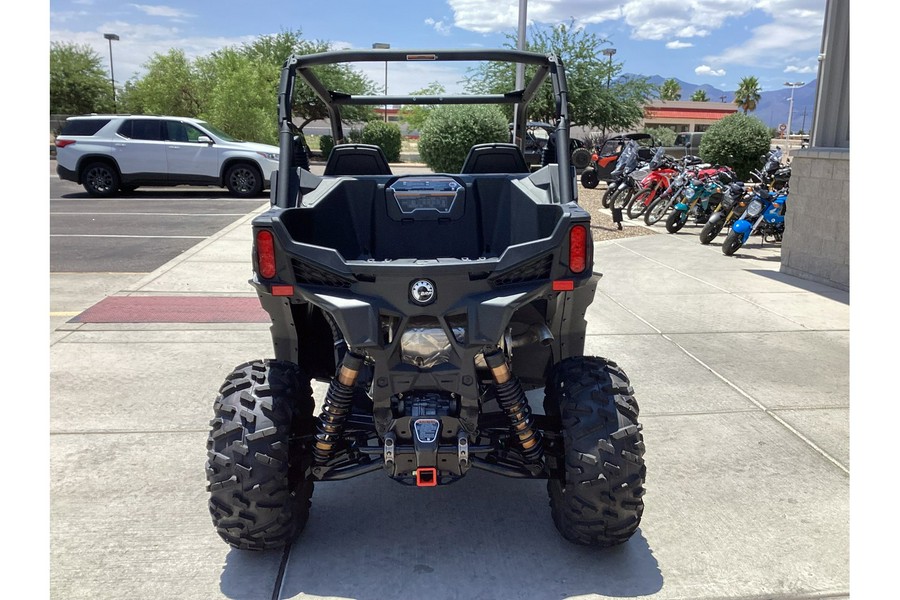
point(714, 42)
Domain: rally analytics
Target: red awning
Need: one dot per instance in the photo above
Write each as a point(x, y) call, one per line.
point(686, 113)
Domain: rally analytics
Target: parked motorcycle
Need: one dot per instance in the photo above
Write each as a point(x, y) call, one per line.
point(662, 170)
point(773, 176)
point(732, 206)
point(764, 215)
point(700, 198)
point(687, 169)
point(623, 184)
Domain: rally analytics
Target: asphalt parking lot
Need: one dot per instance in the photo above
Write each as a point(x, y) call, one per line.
point(743, 378)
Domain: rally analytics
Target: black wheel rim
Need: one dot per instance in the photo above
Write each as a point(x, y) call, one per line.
point(100, 180)
point(243, 180)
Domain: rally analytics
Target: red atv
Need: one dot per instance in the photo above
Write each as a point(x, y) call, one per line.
point(604, 157)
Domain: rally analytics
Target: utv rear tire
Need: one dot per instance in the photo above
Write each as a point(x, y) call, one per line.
point(259, 494)
point(597, 485)
point(589, 179)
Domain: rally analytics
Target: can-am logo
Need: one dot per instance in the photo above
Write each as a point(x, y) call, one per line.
point(422, 291)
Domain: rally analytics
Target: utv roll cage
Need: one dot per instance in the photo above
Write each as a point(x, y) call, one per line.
point(547, 65)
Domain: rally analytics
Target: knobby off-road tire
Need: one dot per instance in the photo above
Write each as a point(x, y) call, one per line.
point(589, 179)
point(259, 496)
point(637, 205)
point(657, 209)
point(596, 494)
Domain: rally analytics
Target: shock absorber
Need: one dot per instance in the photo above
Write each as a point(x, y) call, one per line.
point(513, 402)
point(336, 407)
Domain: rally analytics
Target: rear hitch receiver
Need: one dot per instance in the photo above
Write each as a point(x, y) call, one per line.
point(426, 477)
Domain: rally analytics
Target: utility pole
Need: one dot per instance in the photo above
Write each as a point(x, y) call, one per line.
point(112, 77)
point(792, 85)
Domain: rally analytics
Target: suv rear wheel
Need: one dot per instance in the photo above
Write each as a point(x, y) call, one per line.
point(243, 180)
point(100, 179)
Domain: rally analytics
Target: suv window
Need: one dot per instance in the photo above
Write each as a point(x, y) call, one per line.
point(141, 129)
point(83, 126)
point(177, 131)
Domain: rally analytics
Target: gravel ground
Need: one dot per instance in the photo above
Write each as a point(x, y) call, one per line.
point(602, 226)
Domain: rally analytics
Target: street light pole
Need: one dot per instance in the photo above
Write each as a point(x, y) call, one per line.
point(383, 46)
point(112, 77)
point(791, 85)
point(608, 52)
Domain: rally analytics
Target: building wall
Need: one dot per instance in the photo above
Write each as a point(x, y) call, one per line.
point(816, 242)
point(817, 225)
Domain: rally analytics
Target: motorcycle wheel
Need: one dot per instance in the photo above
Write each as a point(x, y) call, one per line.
point(733, 242)
point(657, 210)
point(711, 230)
point(640, 202)
point(676, 221)
point(589, 179)
point(607, 196)
point(621, 198)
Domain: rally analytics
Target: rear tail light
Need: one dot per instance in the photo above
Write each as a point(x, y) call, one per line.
point(265, 253)
point(64, 143)
point(578, 248)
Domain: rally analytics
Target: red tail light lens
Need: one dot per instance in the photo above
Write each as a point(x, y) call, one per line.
point(577, 248)
point(265, 253)
point(64, 143)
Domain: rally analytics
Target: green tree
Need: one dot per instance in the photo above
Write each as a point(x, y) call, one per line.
point(747, 94)
point(699, 95)
point(664, 135)
point(451, 130)
point(170, 86)
point(238, 96)
point(670, 90)
point(273, 50)
point(738, 141)
point(78, 82)
point(416, 114)
point(620, 106)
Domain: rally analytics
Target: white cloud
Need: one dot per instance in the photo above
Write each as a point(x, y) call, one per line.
point(678, 45)
point(803, 69)
point(439, 26)
point(159, 10)
point(706, 70)
point(491, 16)
point(139, 42)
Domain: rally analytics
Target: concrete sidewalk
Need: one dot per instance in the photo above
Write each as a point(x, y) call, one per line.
point(742, 374)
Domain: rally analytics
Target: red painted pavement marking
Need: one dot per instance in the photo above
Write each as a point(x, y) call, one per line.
point(174, 309)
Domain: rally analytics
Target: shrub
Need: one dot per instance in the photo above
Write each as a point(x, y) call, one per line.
point(738, 141)
point(326, 143)
point(385, 135)
point(451, 130)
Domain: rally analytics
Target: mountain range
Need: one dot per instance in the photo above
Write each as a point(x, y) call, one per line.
point(772, 108)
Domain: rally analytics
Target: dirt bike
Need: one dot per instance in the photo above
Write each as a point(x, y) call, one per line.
point(662, 171)
point(687, 169)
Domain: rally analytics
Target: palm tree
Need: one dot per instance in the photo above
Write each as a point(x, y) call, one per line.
point(747, 94)
point(670, 90)
point(699, 95)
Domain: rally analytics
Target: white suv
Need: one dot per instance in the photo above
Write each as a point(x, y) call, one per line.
point(112, 153)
